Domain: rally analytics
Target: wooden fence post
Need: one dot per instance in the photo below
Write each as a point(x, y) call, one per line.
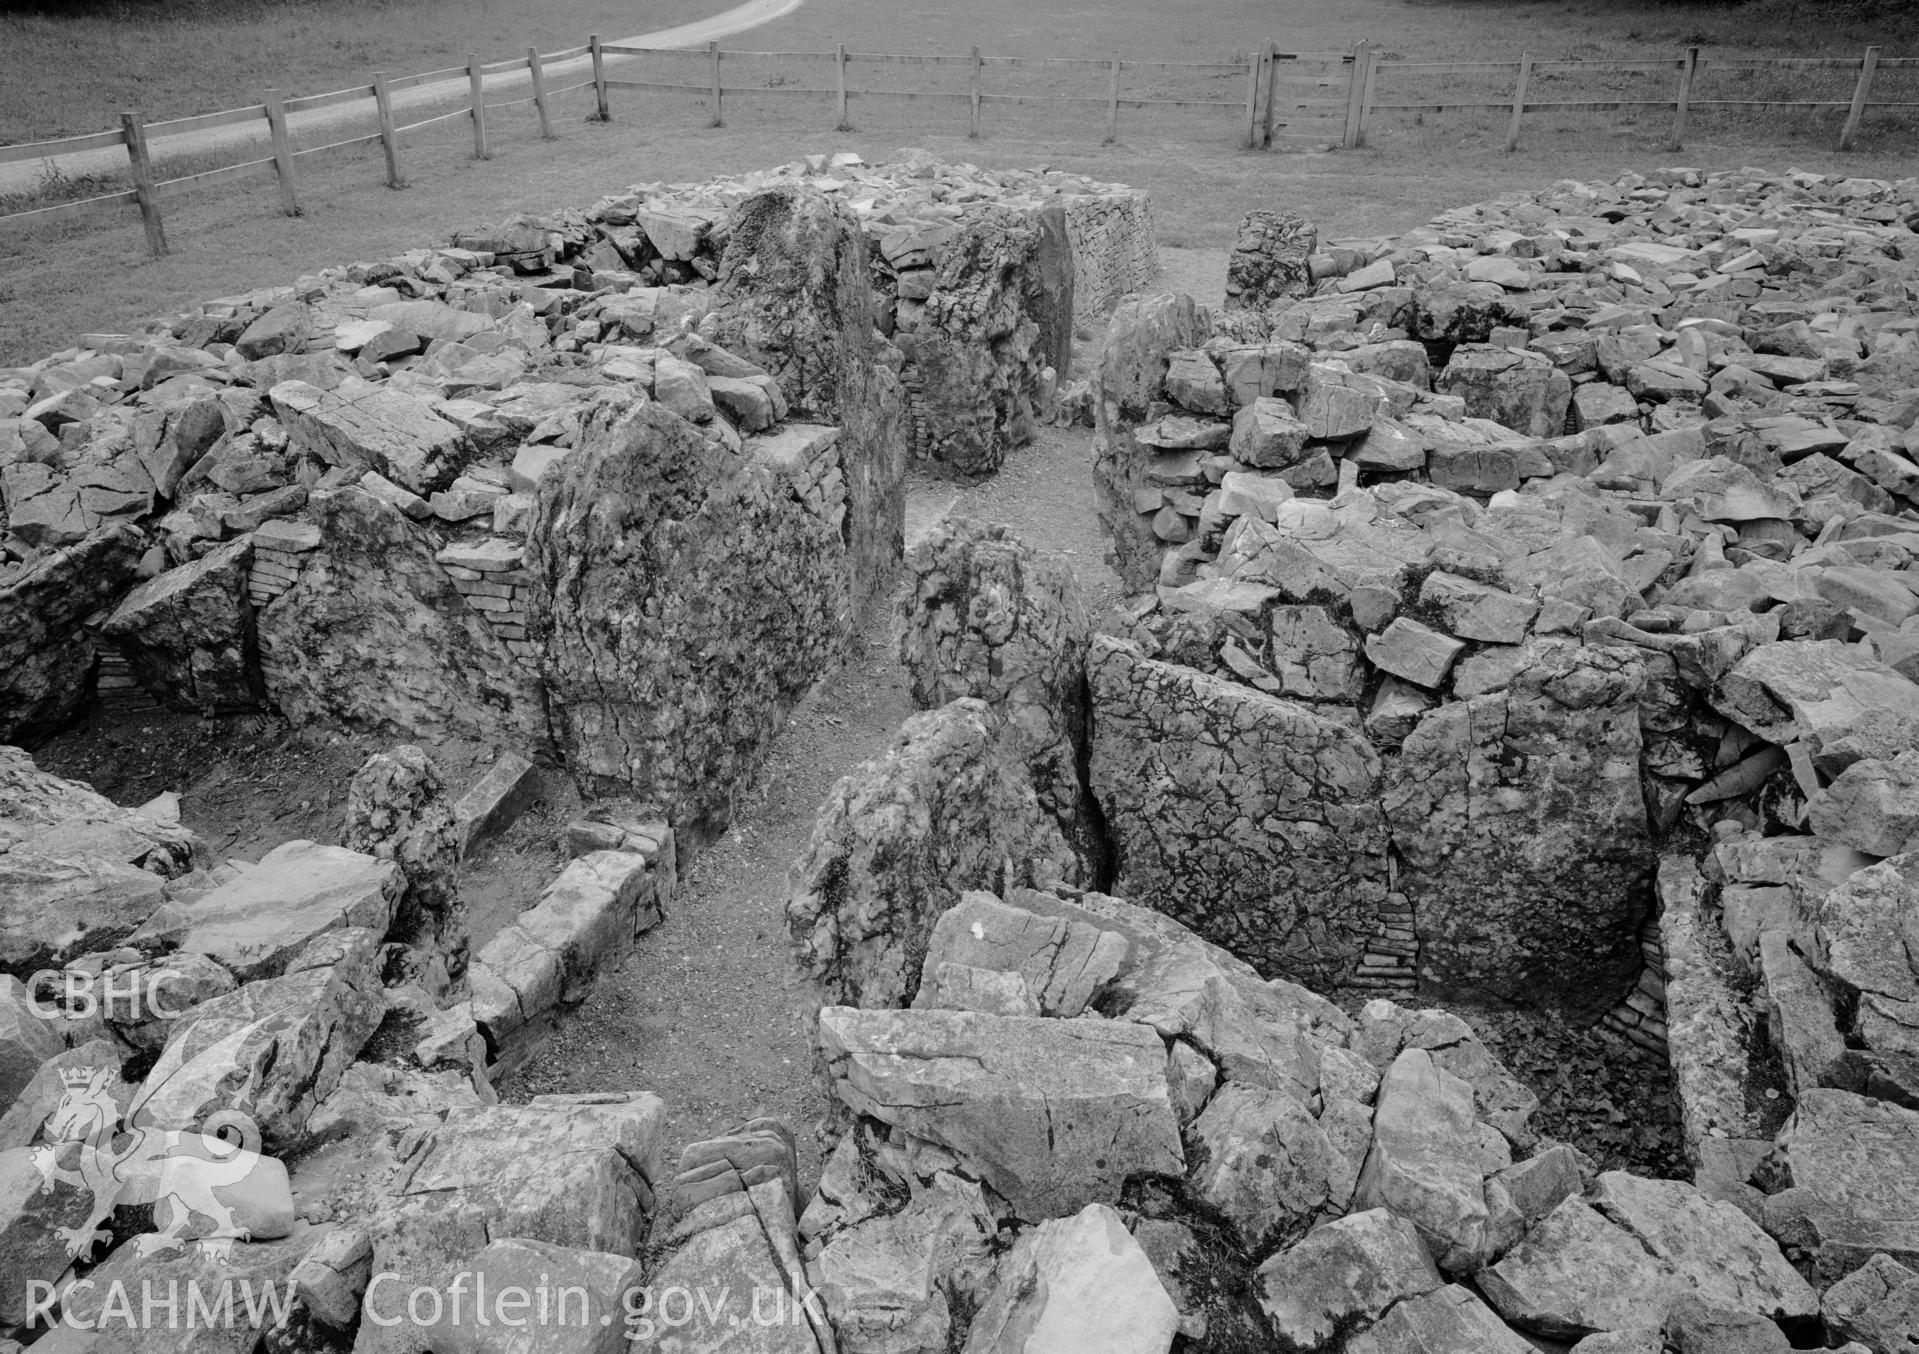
point(282, 153)
point(1272, 95)
point(973, 128)
point(599, 77)
point(1355, 94)
point(839, 63)
point(1861, 93)
point(1519, 100)
point(713, 55)
point(389, 134)
point(135, 133)
point(478, 86)
point(1112, 102)
point(1366, 98)
point(539, 92)
point(1253, 62)
point(1682, 102)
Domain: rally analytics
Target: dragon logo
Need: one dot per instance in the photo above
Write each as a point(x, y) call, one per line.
point(136, 1162)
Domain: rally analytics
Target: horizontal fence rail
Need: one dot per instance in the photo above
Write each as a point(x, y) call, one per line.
point(1289, 99)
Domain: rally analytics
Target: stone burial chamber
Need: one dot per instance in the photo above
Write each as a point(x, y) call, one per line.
point(1443, 681)
point(611, 487)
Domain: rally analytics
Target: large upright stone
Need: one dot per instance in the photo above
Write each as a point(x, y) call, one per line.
point(45, 657)
point(901, 838)
point(795, 297)
point(1054, 1114)
point(188, 634)
point(988, 617)
point(1522, 828)
point(685, 602)
point(397, 809)
point(1252, 819)
point(376, 636)
point(1424, 1165)
point(977, 352)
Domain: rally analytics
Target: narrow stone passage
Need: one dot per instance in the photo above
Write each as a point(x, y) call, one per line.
point(709, 1012)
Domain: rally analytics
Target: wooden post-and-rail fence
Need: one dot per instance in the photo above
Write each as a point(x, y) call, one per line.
point(1292, 98)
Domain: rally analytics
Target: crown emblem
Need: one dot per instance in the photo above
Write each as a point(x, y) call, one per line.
point(77, 1078)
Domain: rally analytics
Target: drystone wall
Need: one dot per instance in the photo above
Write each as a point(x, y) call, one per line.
point(1400, 505)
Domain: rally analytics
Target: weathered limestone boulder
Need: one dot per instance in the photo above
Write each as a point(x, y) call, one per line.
point(575, 1171)
point(893, 1280)
point(794, 296)
point(78, 872)
point(272, 1049)
point(1059, 962)
point(1576, 1274)
point(1343, 1276)
point(1513, 387)
point(1872, 806)
point(1852, 1169)
point(397, 809)
point(388, 431)
point(987, 617)
point(743, 1243)
point(977, 350)
point(684, 602)
point(1864, 934)
point(1078, 1283)
point(1054, 1114)
point(26, 1041)
point(188, 634)
point(1269, 260)
point(1263, 1163)
point(45, 657)
point(97, 1320)
point(898, 842)
point(375, 635)
point(1448, 1320)
point(591, 1291)
point(1252, 819)
point(1842, 703)
point(1143, 332)
point(255, 924)
point(1424, 1164)
point(1799, 1018)
point(1877, 1305)
point(25, 1121)
point(1522, 827)
point(1722, 1255)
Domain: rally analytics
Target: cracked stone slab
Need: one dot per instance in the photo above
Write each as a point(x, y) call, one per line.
point(1054, 1114)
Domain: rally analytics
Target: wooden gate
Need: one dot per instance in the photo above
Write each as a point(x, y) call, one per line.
point(1305, 100)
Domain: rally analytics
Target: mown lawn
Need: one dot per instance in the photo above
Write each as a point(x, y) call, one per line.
point(57, 282)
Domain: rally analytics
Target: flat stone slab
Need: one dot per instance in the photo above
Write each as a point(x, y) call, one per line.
point(1054, 1114)
point(254, 924)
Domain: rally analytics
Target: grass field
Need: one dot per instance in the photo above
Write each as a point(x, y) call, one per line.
point(60, 281)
